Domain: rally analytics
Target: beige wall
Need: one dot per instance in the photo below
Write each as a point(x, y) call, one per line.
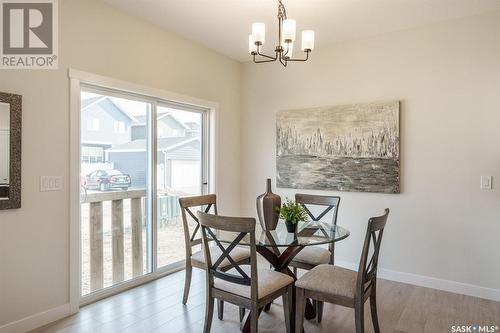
point(94, 37)
point(448, 79)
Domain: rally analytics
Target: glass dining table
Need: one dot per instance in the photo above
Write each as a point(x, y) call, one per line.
point(279, 247)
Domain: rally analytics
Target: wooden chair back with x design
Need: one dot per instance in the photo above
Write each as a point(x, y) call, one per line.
point(240, 285)
point(192, 239)
point(189, 205)
point(344, 287)
point(313, 256)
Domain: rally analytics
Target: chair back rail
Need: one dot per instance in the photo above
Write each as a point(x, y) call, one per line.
point(320, 200)
point(186, 204)
point(330, 202)
point(368, 264)
point(242, 227)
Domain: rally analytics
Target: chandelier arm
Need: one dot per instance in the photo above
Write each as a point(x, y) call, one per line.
point(265, 55)
point(284, 63)
point(261, 61)
point(305, 59)
point(287, 49)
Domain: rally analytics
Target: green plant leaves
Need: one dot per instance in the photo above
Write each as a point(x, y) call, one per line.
point(292, 211)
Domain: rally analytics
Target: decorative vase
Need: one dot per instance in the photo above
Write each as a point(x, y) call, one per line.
point(291, 227)
point(267, 208)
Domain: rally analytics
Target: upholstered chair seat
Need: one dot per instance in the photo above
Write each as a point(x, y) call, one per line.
point(330, 280)
point(313, 255)
point(269, 281)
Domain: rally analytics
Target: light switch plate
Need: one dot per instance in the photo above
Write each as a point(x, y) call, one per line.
point(50, 183)
point(486, 182)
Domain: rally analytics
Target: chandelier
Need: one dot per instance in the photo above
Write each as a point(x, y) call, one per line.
point(286, 38)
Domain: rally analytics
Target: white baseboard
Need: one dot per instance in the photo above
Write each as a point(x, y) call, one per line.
point(430, 282)
point(36, 320)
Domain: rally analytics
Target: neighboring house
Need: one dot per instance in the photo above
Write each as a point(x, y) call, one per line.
point(194, 129)
point(103, 125)
point(115, 139)
point(177, 160)
point(167, 126)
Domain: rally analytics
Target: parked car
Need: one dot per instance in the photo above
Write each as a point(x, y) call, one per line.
point(104, 180)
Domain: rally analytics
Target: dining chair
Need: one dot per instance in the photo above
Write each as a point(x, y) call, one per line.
point(246, 286)
point(312, 256)
point(192, 239)
point(337, 285)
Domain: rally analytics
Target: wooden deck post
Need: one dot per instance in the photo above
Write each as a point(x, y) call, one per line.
point(95, 201)
point(96, 247)
point(117, 241)
point(136, 213)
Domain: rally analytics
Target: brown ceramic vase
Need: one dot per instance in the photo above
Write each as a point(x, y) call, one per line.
point(268, 205)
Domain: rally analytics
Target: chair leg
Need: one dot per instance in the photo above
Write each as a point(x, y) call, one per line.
point(287, 308)
point(254, 319)
point(300, 299)
point(187, 281)
point(359, 317)
point(319, 310)
point(209, 313)
point(373, 310)
point(220, 309)
point(242, 314)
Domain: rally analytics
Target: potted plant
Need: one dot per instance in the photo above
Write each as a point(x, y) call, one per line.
point(292, 212)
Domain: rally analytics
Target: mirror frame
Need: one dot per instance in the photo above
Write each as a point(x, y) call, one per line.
point(15, 102)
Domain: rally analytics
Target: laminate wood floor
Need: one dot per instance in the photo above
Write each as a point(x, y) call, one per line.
point(157, 307)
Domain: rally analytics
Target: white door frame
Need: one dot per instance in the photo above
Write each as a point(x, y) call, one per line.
point(79, 79)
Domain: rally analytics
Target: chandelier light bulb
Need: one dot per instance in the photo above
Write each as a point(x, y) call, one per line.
point(307, 40)
point(289, 29)
point(259, 32)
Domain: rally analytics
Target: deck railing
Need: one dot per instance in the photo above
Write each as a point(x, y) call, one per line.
point(95, 201)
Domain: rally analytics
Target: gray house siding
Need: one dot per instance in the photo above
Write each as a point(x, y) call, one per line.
point(134, 164)
point(138, 132)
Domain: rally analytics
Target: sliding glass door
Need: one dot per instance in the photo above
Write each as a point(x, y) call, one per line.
point(179, 173)
point(128, 143)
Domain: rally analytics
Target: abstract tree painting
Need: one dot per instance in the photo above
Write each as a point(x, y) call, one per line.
point(340, 148)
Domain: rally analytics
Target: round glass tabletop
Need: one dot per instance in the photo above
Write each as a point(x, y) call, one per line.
point(308, 233)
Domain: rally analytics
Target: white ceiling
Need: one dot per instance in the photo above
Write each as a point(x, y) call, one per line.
point(224, 25)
